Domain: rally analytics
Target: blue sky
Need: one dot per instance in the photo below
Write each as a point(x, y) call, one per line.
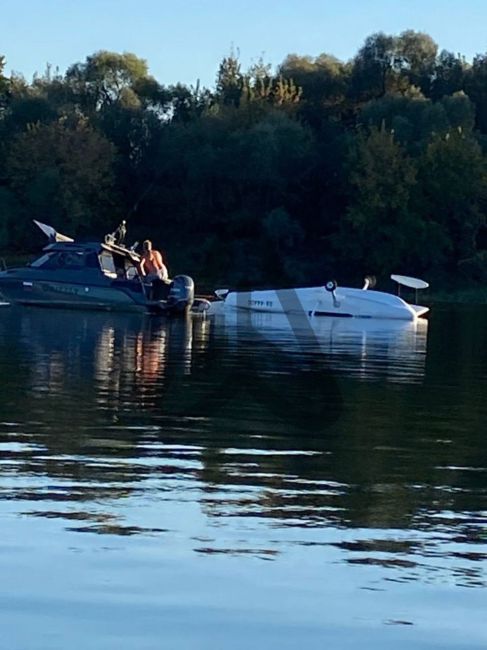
point(186, 40)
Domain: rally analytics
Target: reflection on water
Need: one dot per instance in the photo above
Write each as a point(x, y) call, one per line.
point(361, 347)
point(348, 452)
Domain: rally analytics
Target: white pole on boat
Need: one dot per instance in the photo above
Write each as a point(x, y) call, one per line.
point(330, 287)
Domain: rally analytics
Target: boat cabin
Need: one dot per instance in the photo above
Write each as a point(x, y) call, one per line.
point(114, 262)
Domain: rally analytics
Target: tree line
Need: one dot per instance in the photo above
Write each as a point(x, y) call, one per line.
point(319, 168)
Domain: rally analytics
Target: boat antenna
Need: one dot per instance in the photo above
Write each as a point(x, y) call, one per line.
point(132, 211)
point(141, 196)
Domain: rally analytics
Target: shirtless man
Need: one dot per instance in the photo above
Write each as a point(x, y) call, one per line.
point(151, 264)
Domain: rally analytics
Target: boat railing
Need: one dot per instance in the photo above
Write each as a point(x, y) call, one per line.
point(143, 285)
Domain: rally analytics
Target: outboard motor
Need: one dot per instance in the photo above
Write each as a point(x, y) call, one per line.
point(181, 294)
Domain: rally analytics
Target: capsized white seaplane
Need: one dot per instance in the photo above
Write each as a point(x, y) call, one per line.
point(328, 300)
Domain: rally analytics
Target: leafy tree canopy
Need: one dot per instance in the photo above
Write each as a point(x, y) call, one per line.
point(284, 174)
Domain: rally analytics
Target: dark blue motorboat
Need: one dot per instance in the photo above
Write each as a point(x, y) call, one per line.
point(94, 275)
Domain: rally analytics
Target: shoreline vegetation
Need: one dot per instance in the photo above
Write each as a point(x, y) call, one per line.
point(316, 169)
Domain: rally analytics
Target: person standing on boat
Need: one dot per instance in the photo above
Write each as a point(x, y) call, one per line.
point(152, 265)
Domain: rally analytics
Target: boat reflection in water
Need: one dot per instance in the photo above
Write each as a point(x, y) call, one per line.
point(108, 361)
point(360, 347)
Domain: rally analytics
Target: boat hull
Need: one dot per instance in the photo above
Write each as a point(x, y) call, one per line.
point(22, 289)
point(318, 301)
point(64, 294)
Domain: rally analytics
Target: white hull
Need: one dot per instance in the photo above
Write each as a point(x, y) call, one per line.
point(318, 301)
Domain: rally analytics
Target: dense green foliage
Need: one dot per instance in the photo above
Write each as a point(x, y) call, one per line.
point(321, 167)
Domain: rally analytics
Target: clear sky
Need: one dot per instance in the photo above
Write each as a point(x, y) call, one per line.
point(185, 40)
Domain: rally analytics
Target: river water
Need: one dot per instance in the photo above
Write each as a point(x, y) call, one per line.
point(242, 482)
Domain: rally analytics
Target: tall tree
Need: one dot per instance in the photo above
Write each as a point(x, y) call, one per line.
point(449, 75)
point(3, 80)
point(375, 68)
point(230, 81)
point(379, 232)
point(63, 171)
point(476, 89)
point(417, 54)
point(108, 77)
point(323, 82)
point(453, 185)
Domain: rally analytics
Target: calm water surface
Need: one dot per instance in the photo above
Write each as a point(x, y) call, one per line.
point(247, 483)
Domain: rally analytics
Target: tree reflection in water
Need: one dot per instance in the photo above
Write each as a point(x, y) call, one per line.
point(338, 429)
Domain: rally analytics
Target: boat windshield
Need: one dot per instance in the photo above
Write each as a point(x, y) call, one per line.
point(70, 260)
point(41, 260)
point(107, 264)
